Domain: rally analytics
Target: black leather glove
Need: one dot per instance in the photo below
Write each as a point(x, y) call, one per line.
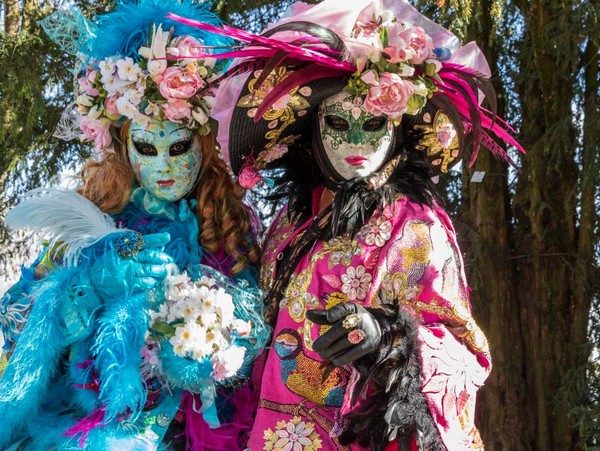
point(356, 331)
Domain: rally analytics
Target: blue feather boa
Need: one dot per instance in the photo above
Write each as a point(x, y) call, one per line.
point(46, 434)
point(67, 365)
point(120, 337)
point(34, 363)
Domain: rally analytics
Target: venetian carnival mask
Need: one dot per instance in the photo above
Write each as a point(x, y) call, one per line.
point(355, 142)
point(165, 157)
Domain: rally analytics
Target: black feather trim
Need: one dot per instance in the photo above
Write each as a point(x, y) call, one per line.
point(395, 408)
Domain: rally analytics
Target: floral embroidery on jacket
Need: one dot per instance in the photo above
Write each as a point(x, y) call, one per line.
point(294, 435)
point(356, 282)
point(377, 231)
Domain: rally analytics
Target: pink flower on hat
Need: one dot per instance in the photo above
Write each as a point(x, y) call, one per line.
point(396, 54)
point(185, 46)
point(177, 110)
point(419, 44)
point(249, 177)
point(110, 107)
point(97, 130)
point(389, 96)
point(178, 83)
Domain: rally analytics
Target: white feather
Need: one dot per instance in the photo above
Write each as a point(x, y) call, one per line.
point(69, 220)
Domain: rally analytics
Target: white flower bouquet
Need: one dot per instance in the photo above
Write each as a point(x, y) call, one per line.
point(204, 330)
point(200, 322)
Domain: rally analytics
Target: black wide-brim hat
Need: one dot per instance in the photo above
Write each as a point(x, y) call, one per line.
point(279, 81)
point(291, 125)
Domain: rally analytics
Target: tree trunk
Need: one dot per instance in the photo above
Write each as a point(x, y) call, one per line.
point(532, 269)
point(12, 17)
point(487, 242)
point(546, 201)
point(584, 282)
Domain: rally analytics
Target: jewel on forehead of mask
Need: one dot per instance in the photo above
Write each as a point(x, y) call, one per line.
point(161, 133)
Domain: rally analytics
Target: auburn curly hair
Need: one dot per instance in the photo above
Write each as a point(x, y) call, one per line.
point(224, 220)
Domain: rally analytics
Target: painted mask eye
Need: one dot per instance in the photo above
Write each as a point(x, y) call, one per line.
point(180, 147)
point(337, 123)
point(145, 149)
point(374, 124)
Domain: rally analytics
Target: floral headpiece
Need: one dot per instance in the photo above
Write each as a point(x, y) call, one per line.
point(165, 84)
point(394, 62)
point(138, 65)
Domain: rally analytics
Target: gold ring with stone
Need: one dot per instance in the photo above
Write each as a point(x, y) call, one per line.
point(356, 336)
point(351, 321)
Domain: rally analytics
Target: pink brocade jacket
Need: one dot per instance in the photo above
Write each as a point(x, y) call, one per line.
point(406, 252)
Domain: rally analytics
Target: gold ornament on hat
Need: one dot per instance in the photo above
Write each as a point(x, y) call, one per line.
point(447, 150)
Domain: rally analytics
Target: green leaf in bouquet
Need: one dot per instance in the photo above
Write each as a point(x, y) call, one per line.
point(414, 104)
point(164, 329)
point(381, 65)
point(430, 69)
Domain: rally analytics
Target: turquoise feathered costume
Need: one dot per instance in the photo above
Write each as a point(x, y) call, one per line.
point(75, 379)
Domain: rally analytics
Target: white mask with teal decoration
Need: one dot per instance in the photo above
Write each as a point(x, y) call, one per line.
point(355, 142)
point(165, 157)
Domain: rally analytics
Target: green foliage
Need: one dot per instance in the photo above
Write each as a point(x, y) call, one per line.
point(32, 101)
point(252, 15)
point(34, 90)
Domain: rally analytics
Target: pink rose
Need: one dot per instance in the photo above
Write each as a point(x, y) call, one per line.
point(91, 75)
point(185, 46)
point(97, 130)
point(397, 54)
point(249, 177)
point(389, 96)
point(178, 83)
point(85, 86)
point(419, 43)
point(110, 107)
point(177, 110)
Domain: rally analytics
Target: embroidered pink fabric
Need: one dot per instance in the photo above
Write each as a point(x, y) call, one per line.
point(407, 253)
